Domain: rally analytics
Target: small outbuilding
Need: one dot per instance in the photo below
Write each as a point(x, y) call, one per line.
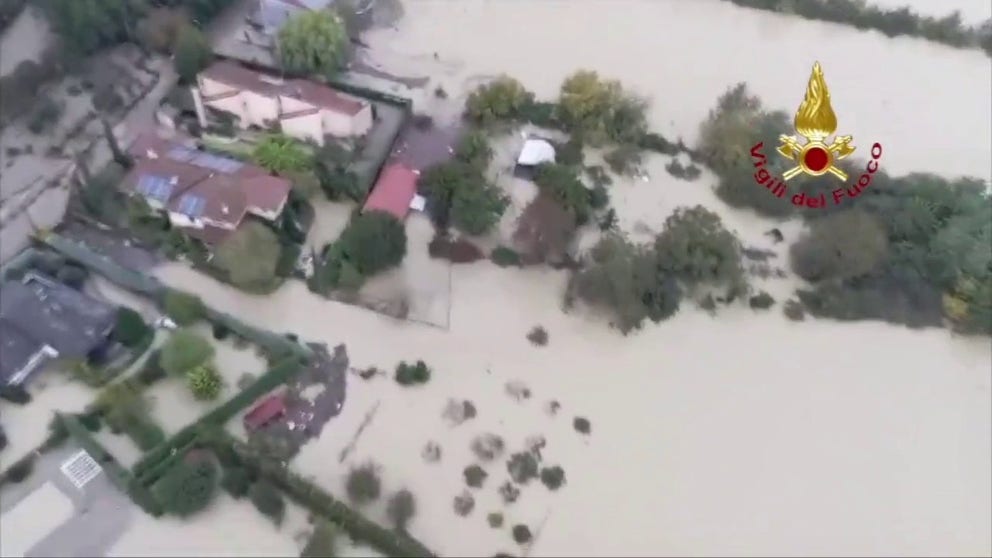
point(535, 152)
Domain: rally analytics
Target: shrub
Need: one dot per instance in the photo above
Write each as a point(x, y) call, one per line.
point(761, 301)
point(495, 520)
point(522, 467)
point(130, 328)
point(793, 310)
point(204, 382)
point(220, 331)
point(91, 421)
point(582, 425)
point(464, 503)
point(363, 484)
point(475, 476)
point(521, 534)
point(152, 370)
point(843, 245)
point(505, 257)
point(409, 374)
point(188, 486)
point(455, 251)
point(401, 508)
point(185, 350)
point(268, 500)
point(553, 477)
point(183, 308)
point(509, 492)
point(144, 433)
point(488, 447)
point(623, 160)
point(538, 336)
point(249, 256)
point(696, 248)
point(598, 197)
point(562, 184)
point(20, 470)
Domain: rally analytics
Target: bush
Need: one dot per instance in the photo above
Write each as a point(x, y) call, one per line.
point(553, 477)
point(495, 520)
point(461, 195)
point(192, 53)
point(522, 467)
point(582, 425)
point(183, 308)
point(152, 370)
point(144, 433)
point(509, 492)
point(598, 197)
point(130, 329)
point(409, 374)
point(843, 245)
point(363, 484)
point(91, 421)
point(521, 534)
point(204, 382)
point(562, 184)
point(697, 249)
point(793, 310)
point(464, 503)
point(538, 336)
point(188, 486)
point(185, 350)
point(20, 470)
point(220, 331)
point(268, 500)
point(761, 301)
point(401, 508)
point(623, 160)
point(505, 257)
point(249, 256)
point(475, 476)
point(323, 541)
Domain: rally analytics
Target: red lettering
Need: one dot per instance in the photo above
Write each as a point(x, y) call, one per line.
point(873, 148)
point(758, 155)
point(870, 163)
point(864, 180)
point(838, 194)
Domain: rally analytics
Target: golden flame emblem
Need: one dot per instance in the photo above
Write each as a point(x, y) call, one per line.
point(815, 120)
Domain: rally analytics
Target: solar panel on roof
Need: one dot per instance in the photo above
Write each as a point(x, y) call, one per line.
point(156, 187)
point(191, 205)
point(182, 154)
point(213, 162)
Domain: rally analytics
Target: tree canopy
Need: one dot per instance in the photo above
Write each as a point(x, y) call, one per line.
point(462, 196)
point(184, 350)
point(313, 42)
point(188, 486)
point(249, 255)
point(698, 250)
point(563, 185)
point(600, 109)
point(192, 53)
point(823, 253)
point(504, 98)
point(373, 242)
point(280, 153)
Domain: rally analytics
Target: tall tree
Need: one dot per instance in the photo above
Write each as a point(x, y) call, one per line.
point(313, 42)
point(192, 53)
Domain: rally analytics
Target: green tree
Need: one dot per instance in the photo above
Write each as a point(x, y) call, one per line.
point(280, 153)
point(130, 329)
point(847, 244)
point(87, 25)
point(185, 350)
point(373, 242)
point(697, 249)
point(473, 148)
point(600, 109)
point(504, 98)
point(313, 42)
point(192, 53)
point(204, 382)
point(188, 486)
point(184, 308)
point(250, 256)
point(363, 484)
point(268, 500)
point(626, 280)
point(562, 184)
point(476, 209)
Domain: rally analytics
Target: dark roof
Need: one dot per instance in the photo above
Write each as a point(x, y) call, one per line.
point(266, 410)
point(16, 350)
point(39, 311)
point(393, 192)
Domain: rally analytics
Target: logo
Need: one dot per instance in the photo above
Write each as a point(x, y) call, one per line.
point(815, 122)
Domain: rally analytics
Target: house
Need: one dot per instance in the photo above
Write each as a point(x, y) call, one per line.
point(206, 195)
point(302, 109)
point(267, 410)
point(394, 192)
point(42, 319)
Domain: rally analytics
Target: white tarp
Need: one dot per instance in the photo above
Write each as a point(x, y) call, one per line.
point(418, 203)
point(535, 152)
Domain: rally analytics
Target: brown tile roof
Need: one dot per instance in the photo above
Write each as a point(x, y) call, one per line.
point(266, 193)
point(393, 192)
point(236, 75)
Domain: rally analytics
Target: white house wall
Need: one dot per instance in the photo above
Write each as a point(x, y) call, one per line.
point(307, 127)
point(262, 110)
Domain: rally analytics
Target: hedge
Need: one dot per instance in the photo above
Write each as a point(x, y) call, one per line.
point(315, 499)
point(152, 463)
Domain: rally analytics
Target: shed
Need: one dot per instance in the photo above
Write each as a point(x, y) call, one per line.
point(267, 410)
point(394, 191)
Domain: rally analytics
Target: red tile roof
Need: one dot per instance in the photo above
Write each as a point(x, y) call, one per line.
point(393, 192)
point(224, 199)
point(265, 411)
point(236, 75)
point(266, 193)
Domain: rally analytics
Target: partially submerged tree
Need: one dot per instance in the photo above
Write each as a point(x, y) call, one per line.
point(363, 484)
point(204, 382)
point(401, 508)
point(313, 42)
point(697, 249)
point(184, 350)
point(188, 486)
point(545, 229)
point(840, 246)
point(373, 242)
point(562, 184)
point(504, 98)
point(184, 308)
